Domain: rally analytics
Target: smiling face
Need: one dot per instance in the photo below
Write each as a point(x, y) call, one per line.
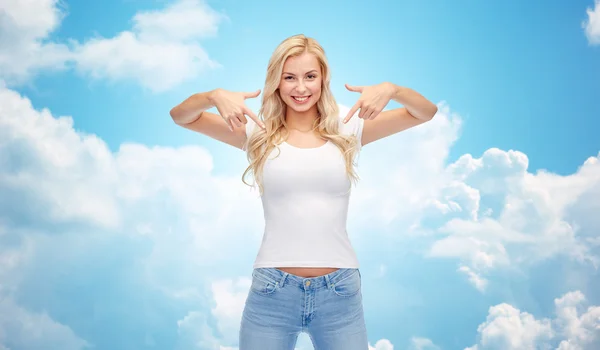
point(300, 86)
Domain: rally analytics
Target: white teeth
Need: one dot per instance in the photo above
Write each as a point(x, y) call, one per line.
point(300, 99)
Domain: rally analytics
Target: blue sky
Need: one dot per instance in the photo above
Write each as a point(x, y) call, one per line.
point(120, 230)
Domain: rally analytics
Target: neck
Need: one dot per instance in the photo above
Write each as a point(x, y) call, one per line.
point(301, 121)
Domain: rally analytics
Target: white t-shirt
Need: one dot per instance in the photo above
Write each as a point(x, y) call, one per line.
point(305, 204)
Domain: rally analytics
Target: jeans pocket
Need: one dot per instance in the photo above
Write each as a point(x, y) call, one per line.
point(348, 286)
point(263, 283)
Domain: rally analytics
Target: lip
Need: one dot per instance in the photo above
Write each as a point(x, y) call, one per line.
point(301, 102)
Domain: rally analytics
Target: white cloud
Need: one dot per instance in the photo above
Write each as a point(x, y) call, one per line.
point(156, 211)
point(161, 50)
point(592, 24)
point(479, 282)
point(24, 50)
point(230, 298)
point(579, 327)
point(397, 185)
point(195, 333)
point(508, 328)
point(382, 344)
point(488, 213)
point(21, 329)
point(184, 20)
point(68, 176)
point(417, 343)
point(71, 177)
point(522, 218)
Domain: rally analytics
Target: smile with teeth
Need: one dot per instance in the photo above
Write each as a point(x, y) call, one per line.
point(300, 99)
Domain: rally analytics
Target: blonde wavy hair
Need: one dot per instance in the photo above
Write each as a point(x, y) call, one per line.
point(272, 112)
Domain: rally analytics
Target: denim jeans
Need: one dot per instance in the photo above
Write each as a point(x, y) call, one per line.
point(280, 306)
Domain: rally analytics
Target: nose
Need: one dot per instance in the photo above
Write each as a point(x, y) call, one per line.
point(301, 88)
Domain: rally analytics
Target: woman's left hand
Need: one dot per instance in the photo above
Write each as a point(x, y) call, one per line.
point(372, 100)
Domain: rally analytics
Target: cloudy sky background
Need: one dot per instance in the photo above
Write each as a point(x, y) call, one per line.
point(120, 230)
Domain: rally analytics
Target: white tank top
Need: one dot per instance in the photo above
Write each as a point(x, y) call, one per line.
point(305, 204)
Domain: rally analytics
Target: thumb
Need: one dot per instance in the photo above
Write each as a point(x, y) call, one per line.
point(252, 94)
point(354, 88)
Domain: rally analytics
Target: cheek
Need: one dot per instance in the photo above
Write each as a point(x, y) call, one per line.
point(316, 88)
point(285, 89)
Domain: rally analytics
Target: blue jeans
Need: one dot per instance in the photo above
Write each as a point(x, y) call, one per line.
point(281, 305)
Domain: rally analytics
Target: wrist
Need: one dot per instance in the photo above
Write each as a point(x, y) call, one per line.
point(211, 95)
point(392, 89)
point(398, 92)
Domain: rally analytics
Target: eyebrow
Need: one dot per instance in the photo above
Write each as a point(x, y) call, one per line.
point(312, 71)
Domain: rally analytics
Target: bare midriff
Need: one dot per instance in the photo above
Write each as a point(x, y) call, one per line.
point(308, 272)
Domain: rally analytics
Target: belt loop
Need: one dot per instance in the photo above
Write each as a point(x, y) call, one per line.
point(328, 281)
point(282, 280)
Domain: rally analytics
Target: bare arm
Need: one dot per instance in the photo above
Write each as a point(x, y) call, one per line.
point(378, 125)
point(416, 105)
point(192, 107)
point(229, 126)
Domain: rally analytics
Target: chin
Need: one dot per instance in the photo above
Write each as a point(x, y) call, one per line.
point(301, 108)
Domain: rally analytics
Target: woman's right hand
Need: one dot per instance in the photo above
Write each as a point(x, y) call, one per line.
point(232, 108)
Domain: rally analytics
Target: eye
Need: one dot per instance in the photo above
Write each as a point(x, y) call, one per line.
point(312, 76)
point(288, 78)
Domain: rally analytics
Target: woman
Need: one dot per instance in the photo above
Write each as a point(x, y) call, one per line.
point(301, 152)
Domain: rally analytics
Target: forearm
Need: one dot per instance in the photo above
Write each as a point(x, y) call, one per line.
point(191, 108)
point(417, 105)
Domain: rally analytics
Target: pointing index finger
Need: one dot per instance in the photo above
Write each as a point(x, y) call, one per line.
point(253, 94)
point(252, 116)
point(352, 111)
